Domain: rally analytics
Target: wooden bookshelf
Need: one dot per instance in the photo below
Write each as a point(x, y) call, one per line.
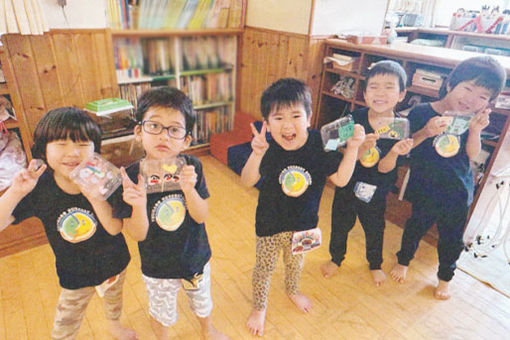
point(411, 57)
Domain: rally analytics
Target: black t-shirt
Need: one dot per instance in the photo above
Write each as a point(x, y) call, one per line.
point(176, 246)
point(442, 179)
point(86, 254)
point(371, 175)
point(291, 186)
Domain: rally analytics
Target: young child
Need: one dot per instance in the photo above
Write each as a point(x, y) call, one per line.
point(88, 246)
point(294, 168)
point(441, 184)
point(385, 88)
point(172, 240)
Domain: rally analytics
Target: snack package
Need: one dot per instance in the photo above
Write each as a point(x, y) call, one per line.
point(458, 123)
point(162, 175)
point(394, 128)
point(98, 174)
point(336, 133)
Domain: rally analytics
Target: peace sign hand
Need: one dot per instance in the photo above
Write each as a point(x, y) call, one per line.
point(26, 180)
point(134, 194)
point(259, 143)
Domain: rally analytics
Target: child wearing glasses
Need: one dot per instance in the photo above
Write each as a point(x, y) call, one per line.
point(172, 241)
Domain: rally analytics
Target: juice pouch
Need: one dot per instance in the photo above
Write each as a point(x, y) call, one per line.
point(336, 133)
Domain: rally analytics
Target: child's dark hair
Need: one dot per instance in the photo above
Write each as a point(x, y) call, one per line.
point(63, 123)
point(167, 97)
point(388, 67)
point(286, 92)
point(484, 71)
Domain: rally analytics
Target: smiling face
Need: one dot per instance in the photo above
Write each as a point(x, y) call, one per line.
point(288, 126)
point(64, 155)
point(383, 93)
point(162, 146)
point(467, 97)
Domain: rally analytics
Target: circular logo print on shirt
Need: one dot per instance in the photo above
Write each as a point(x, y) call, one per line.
point(295, 180)
point(169, 212)
point(76, 225)
point(371, 157)
point(446, 145)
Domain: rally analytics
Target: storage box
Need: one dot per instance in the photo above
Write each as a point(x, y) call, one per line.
point(428, 79)
point(367, 39)
point(343, 62)
point(114, 116)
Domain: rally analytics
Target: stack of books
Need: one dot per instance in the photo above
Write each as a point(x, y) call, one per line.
point(175, 14)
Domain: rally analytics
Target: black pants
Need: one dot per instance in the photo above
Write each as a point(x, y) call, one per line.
point(346, 206)
point(450, 216)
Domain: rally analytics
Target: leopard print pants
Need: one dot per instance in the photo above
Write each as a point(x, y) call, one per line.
point(267, 253)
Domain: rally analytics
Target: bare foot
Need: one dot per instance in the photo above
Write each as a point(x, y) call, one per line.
point(120, 332)
point(329, 269)
point(302, 302)
point(256, 321)
point(399, 272)
point(441, 291)
point(378, 276)
point(214, 334)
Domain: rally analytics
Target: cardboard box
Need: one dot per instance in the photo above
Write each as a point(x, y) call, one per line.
point(367, 39)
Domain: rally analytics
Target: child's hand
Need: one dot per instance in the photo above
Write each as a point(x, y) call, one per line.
point(435, 126)
point(480, 121)
point(259, 143)
point(188, 178)
point(26, 180)
point(403, 147)
point(134, 194)
point(357, 138)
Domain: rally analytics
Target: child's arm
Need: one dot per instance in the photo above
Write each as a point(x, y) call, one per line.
point(401, 148)
point(346, 167)
point(136, 196)
point(23, 183)
point(479, 122)
point(370, 142)
point(197, 206)
point(250, 173)
point(104, 212)
point(434, 127)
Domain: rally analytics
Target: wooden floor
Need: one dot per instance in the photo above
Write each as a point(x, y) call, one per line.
point(347, 306)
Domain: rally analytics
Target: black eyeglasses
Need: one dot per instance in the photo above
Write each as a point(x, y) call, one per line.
point(155, 128)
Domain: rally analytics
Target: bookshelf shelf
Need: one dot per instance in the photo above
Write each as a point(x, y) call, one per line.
point(204, 71)
point(211, 105)
point(345, 73)
point(154, 33)
point(424, 91)
point(336, 96)
point(489, 142)
point(124, 81)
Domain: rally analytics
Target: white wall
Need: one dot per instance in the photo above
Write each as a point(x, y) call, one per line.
point(287, 15)
point(334, 16)
point(80, 14)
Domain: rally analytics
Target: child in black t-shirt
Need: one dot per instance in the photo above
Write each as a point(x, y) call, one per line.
point(375, 173)
point(86, 240)
point(441, 183)
point(170, 230)
point(293, 167)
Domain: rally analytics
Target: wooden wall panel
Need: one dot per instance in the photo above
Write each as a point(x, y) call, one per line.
point(270, 55)
point(60, 68)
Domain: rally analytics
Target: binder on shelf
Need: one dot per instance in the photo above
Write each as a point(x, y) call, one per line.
point(187, 13)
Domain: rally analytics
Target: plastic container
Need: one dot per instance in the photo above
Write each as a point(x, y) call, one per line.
point(114, 116)
point(458, 123)
point(336, 133)
point(98, 174)
point(394, 128)
point(162, 175)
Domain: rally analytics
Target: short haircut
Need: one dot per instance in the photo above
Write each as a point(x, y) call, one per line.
point(63, 123)
point(167, 97)
point(388, 67)
point(484, 71)
point(284, 93)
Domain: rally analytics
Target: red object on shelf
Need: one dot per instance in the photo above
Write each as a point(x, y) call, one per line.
point(220, 142)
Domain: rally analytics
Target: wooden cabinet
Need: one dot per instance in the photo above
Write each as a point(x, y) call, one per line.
point(412, 57)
